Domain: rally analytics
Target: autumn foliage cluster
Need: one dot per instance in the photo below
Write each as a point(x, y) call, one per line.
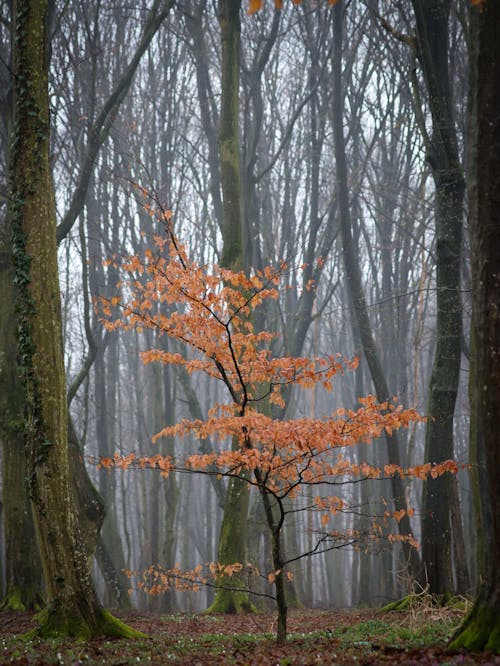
point(256, 5)
point(211, 310)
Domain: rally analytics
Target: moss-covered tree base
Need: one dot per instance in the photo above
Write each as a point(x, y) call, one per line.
point(413, 600)
point(481, 629)
point(54, 624)
point(21, 599)
point(228, 601)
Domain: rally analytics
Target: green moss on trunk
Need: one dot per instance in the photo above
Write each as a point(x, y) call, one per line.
point(229, 601)
point(481, 630)
point(232, 191)
point(73, 608)
point(23, 581)
point(232, 549)
point(56, 624)
point(22, 598)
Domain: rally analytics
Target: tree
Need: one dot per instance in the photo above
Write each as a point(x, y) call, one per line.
point(232, 538)
point(481, 629)
point(212, 314)
point(432, 19)
point(431, 47)
point(22, 568)
point(22, 565)
point(73, 608)
point(355, 286)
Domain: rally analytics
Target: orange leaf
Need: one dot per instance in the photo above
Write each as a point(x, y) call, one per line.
point(254, 6)
point(272, 576)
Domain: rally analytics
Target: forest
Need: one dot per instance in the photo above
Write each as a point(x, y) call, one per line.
point(250, 331)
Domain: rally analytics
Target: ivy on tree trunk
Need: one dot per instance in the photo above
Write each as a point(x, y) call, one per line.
point(73, 608)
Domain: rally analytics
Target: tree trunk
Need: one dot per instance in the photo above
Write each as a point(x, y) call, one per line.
point(73, 608)
point(23, 588)
point(274, 518)
point(89, 504)
point(481, 630)
point(232, 540)
point(432, 50)
point(354, 283)
point(106, 368)
point(462, 585)
point(170, 487)
point(22, 564)
point(232, 191)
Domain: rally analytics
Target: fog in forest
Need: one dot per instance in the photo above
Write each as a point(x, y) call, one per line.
point(333, 151)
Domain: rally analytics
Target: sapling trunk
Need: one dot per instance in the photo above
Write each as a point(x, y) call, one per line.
point(275, 525)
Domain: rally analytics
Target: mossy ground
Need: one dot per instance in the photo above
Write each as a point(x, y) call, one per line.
point(325, 637)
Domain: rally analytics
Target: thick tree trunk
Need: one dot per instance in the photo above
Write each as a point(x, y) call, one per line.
point(481, 630)
point(229, 145)
point(232, 540)
point(23, 569)
point(73, 608)
point(432, 50)
point(22, 564)
point(23, 580)
point(23, 590)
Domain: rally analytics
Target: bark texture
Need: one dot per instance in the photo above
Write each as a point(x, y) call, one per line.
point(22, 565)
point(233, 534)
point(481, 630)
point(432, 18)
point(72, 608)
point(23, 581)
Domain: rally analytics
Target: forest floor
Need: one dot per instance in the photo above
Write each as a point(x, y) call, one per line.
point(316, 637)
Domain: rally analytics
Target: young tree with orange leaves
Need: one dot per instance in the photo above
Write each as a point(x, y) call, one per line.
point(210, 310)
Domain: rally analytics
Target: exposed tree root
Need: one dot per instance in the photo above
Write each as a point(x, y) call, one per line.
point(481, 628)
point(228, 601)
point(18, 599)
point(55, 624)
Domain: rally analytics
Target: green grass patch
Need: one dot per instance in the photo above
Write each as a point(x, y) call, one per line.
point(395, 634)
